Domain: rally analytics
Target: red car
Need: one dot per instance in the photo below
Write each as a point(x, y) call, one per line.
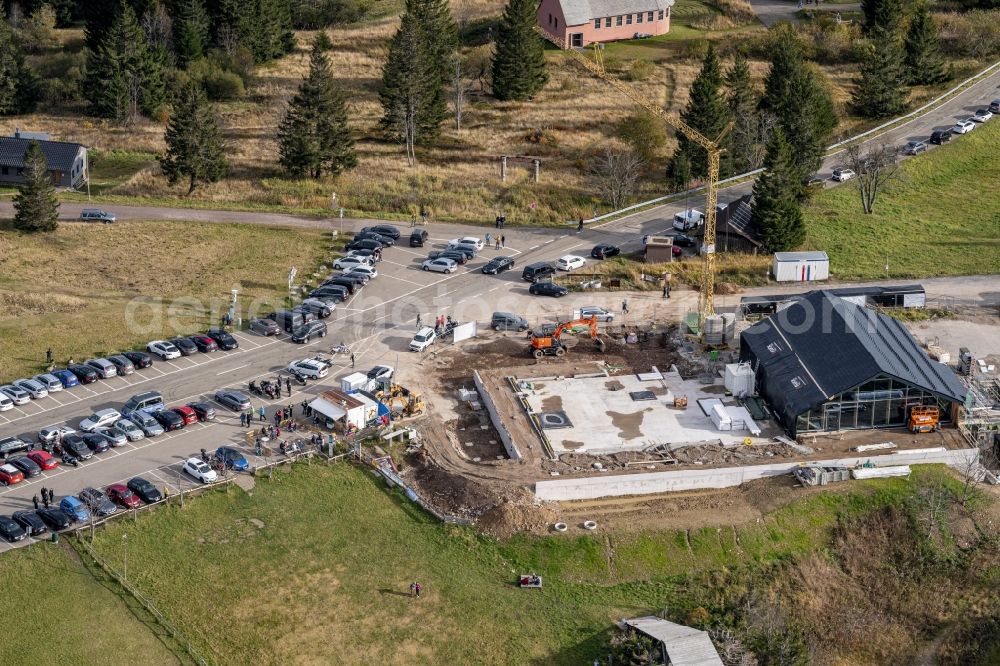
point(9, 475)
point(43, 459)
point(189, 415)
point(122, 496)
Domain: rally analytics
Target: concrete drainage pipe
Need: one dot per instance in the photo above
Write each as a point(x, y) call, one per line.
point(590, 525)
point(561, 527)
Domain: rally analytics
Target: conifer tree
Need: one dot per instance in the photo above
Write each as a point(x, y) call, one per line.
point(706, 112)
point(923, 61)
point(18, 83)
point(314, 136)
point(519, 55)
point(880, 88)
point(440, 31)
point(882, 17)
point(190, 30)
point(195, 149)
point(35, 205)
point(776, 212)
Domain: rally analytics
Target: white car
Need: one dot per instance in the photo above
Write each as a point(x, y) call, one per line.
point(5, 403)
point(424, 338)
point(982, 115)
point(199, 470)
point(165, 350)
point(440, 265)
point(569, 262)
point(349, 262)
point(51, 382)
point(49, 434)
point(131, 431)
point(468, 241)
point(105, 368)
point(963, 127)
point(99, 419)
point(841, 175)
point(17, 395)
point(311, 368)
point(35, 389)
point(369, 271)
point(381, 372)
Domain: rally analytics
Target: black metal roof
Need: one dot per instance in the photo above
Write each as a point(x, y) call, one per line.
point(59, 155)
point(873, 290)
point(822, 345)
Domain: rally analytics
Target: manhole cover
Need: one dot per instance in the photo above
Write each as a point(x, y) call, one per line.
point(551, 420)
point(642, 395)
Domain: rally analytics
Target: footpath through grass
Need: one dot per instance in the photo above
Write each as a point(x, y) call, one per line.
point(942, 217)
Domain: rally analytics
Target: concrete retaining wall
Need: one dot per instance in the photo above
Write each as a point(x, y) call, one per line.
point(508, 442)
point(691, 479)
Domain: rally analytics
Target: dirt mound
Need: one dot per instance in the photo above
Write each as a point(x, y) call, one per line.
point(451, 493)
point(510, 517)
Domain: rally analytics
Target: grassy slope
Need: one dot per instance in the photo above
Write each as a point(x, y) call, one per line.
point(322, 580)
point(57, 614)
point(941, 218)
point(71, 289)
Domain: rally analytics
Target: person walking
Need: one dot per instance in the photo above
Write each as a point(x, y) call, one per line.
point(34, 500)
point(352, 359)
point(625, 306)
point(579, 226)
point(52, 497)
point(487, 239)
point(243, 420)
point(503, 241)
point(418, 321)
point(288, 385)
point(48, 356)
point(666, 290)
point(262, 413)
point(417, 587)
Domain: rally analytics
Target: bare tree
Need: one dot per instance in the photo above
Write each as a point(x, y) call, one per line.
point(457, 92)
point(757, 143)
point(15, 17)
point(406, 118)
point(972, 474)
point(874, 168)
point(228, 39)
point(616, 171)
point(158, 28)
point(731, 649)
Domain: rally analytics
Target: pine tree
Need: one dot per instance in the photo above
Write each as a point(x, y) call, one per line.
point(519, 55)
point(882, 17)
point(314, 136)
point(261, 26)
point(195, 149)
point(880, 88)
point(190, 30)
point(18, 82)
point(98, 16)
point(923, 61)
point(440, 42)
point(706, 112)
point(35, 205)
point(410, 89)
point(776, 212)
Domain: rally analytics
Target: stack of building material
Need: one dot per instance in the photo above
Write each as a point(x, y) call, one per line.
point(880, 472)
point(720, 418)
point(938, 354)
point(742, 420)
point(820, 476)
point(874, 447)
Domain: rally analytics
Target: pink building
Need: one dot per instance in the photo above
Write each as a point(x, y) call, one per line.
point(577, 23)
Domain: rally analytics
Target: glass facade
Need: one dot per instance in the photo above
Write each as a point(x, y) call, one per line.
point(882, 402)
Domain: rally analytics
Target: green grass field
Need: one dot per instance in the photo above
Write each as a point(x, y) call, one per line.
point(942, 217)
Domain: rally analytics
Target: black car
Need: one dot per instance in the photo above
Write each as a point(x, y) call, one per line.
point(74, 446)
point(96, 442)
point(30, 521)
point(222, 338)
point(54, 518)
point(940, 136)
point(169, 419)
point(684, 241)
point(317, 307)
point(307, 313)
point(27, 466)
point(498, 265)
point(333, 292)
point(146, 491)
point(363, 244)
point(384, 230)
point(418, 238)
point(386, 241)
point(10, 530)
point(547, 289)
point(604, 250)
point(185, 346)
point(9, 445)
point(342, 281)
point(139, 359)
point(84, 373)
point(204, 343)
point(204, 410)
point(456, 256)
point(306, 332)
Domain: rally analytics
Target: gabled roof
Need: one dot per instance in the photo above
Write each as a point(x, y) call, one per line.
point(59, 155)
point(737, 219)
point(685, 646)
point(822, 345)
point(578, 12)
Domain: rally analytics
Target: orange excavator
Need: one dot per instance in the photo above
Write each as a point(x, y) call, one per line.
point(552, 345)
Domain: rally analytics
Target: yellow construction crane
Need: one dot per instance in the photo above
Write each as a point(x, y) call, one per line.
point(706, 304)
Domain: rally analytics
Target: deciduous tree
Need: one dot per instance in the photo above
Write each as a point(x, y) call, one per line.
point(874, 168)
point(35, 205)
point(519, 56)
point(195, 149)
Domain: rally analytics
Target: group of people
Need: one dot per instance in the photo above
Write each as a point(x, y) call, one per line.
point(498, 241)
point(501, 221)
point(48, 498)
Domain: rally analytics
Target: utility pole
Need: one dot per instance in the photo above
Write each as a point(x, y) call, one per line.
point(125, 546)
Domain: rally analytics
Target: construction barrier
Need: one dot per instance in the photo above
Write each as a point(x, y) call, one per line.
point(508, 443)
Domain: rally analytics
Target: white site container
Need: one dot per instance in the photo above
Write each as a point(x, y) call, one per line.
point(721, 418)
point(739, 379)
point(800, 266)
point(355, 381)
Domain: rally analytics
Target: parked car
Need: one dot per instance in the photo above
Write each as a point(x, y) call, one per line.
point(382, 373)
point(384, 230)
point(508, 321)
point(424, 338)
point(120, 494)
point(9, 475)
point(231, 458)
point(147, 401)
point(10, 530)
point(67, 378)
point(199, 470)
point(12, 445)
point(460, 258)
point(362, 252)
point(75, 447)
point(602, 314)
point(98, 502)
point(100, 418)
point(843, 174)
point(105, 368)
point(306, 332)
point(498, 265)
point(28, 467)
point(97, 215)
point(332, 293)
point(569, 262)
point(5, 403)
point(537, 271)
point(914, 147)
point(147, 423)
point(146, 491)
point(963, 127)
point(189, 415)
point(163, 349)
point(96, 442)
point(995, 106)
point(982, 115)
point(17, 395)
point(139, 359)
point(49, 434)
point(130, 431)
point(33, 388)
point(940, 136)
point(44, 459)
point(203, 410)
point(310, 368)
point(418, 237)
point(169, 419)
point(184, 345)
point(307, 314)
point(468, 251)
point(234, 400)
point(204, 343)
point(114, 436)
point(54, 518)
point(49, 381)
point(547, 289)
point(222, 338)
point(264, 327)
point(122, 364)
point(604, 250)
point(440, 265)
point(688, 219)
point(473, 241)
point(76, 510)
point(31, 522)
point(318, 307)
point(683, 240)
point(363, 244)
point(368, 272)
point(350, 262)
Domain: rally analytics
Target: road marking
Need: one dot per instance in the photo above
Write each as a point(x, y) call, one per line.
point(231, 369)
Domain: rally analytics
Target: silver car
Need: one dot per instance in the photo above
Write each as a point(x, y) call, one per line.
point(146, 423)
point(50, 434)
point(35, 389)
point(17, 395)
point(114, 436)
point(129, 430)
point(122, 365)
point(50, 382)
point(105, 368)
